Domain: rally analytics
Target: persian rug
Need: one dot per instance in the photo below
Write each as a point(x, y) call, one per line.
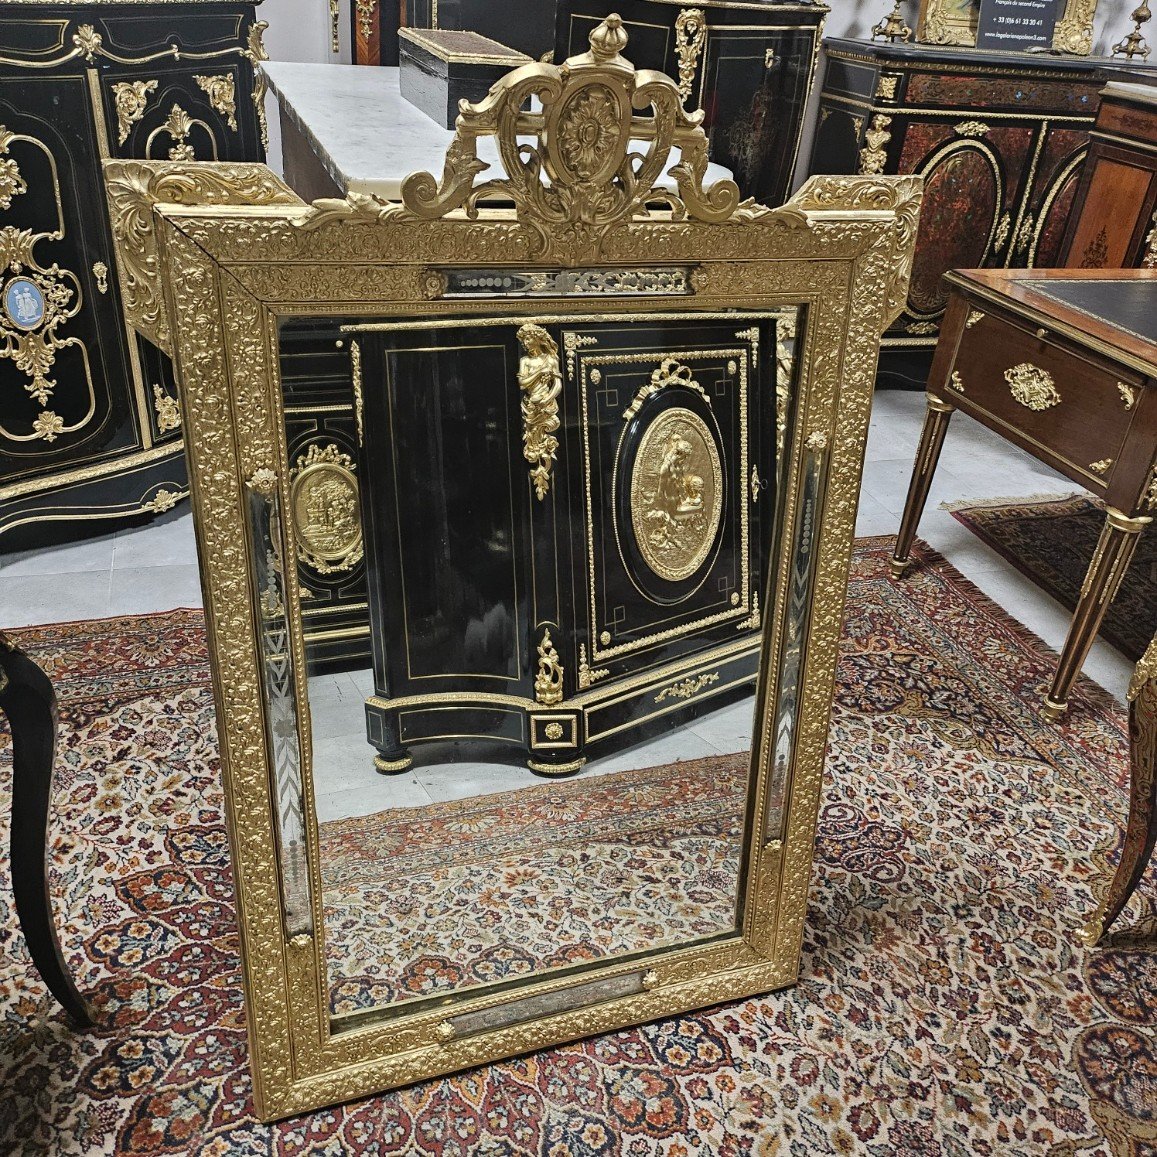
point(474, 891)
point(945, 1006)
point(1051, 541)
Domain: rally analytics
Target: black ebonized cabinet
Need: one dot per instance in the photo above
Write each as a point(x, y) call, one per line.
point(1000, 139)
point(566, 528)
point(89, 417)
point(321, 430)
point(526, 26)
point(748, 66)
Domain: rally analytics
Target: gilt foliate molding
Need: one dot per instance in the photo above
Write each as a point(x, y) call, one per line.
point(582, 140)
point(222, 95)
point(130, 100)
point(135, 187)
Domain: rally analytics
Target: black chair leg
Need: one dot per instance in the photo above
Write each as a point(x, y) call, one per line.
point(29, 701)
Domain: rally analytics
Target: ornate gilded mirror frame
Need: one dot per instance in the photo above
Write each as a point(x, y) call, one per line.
point(214, 257)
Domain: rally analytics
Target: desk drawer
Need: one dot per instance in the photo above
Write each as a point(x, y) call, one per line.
point(1045, 395)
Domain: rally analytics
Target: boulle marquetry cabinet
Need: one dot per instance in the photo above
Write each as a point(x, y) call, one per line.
point(999, 138)
point(572, 514)
point(90, 423)
point(748, 65)
point(1113, 225)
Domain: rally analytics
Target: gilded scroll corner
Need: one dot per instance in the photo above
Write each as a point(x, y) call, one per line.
point(540, 380)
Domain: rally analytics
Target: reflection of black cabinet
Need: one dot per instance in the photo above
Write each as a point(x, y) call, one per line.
point(999, 139)
point(89, 418)
point(748, 66)
point(566, 527)
point(321, 430)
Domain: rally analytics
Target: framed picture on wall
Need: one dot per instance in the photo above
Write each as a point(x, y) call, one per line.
point(955, 22)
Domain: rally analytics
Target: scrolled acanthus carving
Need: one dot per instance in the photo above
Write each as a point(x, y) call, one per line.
point(571, 166)
point(134, 187)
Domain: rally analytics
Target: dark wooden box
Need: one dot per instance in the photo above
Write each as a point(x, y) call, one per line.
point(525, 25)
point(439, 68)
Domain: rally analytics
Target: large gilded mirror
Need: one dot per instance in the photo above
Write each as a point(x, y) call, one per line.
point(524, 509)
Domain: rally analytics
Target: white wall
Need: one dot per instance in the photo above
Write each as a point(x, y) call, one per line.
point(299, 30)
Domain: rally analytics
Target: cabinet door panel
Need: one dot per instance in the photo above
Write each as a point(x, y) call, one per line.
point(1103, 237)
point(750, 79)
point(1056, 207)
point(445, 502)
point(1058, 161)
point(182, 114)
point(962, 208)
point(673, 423)
point(64, 379)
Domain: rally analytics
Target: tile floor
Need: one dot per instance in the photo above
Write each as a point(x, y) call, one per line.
point(153, 568)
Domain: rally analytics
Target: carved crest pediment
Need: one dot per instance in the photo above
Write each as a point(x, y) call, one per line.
point(584, 146)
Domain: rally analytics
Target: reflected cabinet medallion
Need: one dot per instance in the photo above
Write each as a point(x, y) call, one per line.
point(566, 515)
point(676, 494)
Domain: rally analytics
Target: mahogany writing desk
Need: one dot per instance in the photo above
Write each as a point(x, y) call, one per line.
point(1062, 363)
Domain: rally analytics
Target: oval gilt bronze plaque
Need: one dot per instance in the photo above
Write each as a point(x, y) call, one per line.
point(324, 504)
point(676, 494)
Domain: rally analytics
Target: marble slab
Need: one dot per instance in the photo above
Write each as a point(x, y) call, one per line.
point(367, 137)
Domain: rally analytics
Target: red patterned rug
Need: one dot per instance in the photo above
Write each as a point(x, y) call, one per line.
point(1052, 541)
point(945, 1008)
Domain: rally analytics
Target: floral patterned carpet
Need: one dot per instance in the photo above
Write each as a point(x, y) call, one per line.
point(1052, 542)
point(945, 1007)
point(474, 891)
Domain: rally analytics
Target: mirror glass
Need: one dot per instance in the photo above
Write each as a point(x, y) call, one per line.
point(530, 554)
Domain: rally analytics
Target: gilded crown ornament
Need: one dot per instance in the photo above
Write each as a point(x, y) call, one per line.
point(577, 176)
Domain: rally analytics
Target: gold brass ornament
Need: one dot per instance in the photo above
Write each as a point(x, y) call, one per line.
point(130, 99)
point(886, 86)
point(323, 504)
point(12, 184)
point(690, 36)
point(167, 410)
point(676, 494)
point(1032, 387)
point(687, 688)
point(1135, 43)
point(100, 272)
point(587, 676)
point(669, 373)
point(581, 177)
point(222, 95)
point(892, 27)
point(1127, 395)
point(540, 381)
point(874, 155)
point(217, 275)
point(365, 10)
point(548, 681)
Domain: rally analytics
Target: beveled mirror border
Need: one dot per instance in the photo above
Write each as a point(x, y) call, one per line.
point(220, 253)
